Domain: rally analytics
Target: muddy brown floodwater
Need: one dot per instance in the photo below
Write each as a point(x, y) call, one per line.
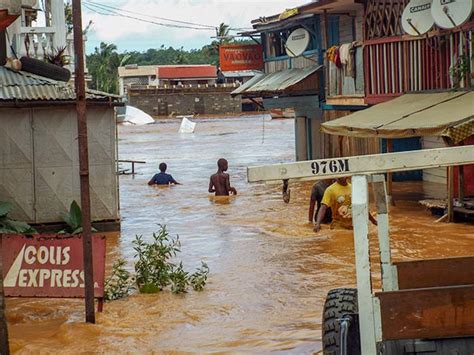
point(269, 272)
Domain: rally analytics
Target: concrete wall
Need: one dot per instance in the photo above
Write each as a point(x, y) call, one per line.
point(161, 102)
point(39, 167)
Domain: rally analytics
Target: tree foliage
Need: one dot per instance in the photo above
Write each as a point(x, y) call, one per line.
point(103, 63)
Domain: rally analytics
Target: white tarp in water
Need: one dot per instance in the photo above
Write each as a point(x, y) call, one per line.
point(187, 126)
point(136, 116)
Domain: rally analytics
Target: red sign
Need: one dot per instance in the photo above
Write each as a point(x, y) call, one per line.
point(234, 57)
point(49, 265)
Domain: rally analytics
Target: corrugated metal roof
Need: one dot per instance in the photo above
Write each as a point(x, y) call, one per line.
point(139, 70)
point(275, 82)
point(241, 73)
point(186, 72)
point(23, 86)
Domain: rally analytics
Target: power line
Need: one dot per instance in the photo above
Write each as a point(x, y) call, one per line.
point(115, 10)
point(114, 13)
point(149, 16)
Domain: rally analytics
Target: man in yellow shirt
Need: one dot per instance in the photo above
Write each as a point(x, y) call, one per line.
point(338, 198)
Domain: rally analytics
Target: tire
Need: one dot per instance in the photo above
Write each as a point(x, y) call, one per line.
point(340, 302)
point(38, 67)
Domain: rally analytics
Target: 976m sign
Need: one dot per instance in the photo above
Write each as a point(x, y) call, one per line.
point(332, 166)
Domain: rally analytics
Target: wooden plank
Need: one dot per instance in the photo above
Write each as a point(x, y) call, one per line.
point(450, 193)
point(360, 215)
point(365, 164)
point(435, 272)
point(427, 313)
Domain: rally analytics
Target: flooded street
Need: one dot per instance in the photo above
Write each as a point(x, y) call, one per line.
point(269, 272)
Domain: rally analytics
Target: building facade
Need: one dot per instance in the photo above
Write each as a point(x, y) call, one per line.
point(366, 59)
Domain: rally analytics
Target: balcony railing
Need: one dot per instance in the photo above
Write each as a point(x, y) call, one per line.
point(397, 65)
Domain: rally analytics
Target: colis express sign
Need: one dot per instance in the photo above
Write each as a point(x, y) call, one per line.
point(49, 265)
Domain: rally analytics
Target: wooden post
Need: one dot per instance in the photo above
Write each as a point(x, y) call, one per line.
point(461, 183)
point(390, 175)
point(450, 193)
point(81, 110)
point(4, 348)
point(326, 47)
point(360, 214)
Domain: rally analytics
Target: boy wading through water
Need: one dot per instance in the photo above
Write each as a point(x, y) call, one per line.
point(220, 181)
point(162, 178)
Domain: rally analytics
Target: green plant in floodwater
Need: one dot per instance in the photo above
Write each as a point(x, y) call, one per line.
point(9, 225)
point(199, 278)
point(179, 279)
point(155, 269)
point(120, 282)
point(73, 219)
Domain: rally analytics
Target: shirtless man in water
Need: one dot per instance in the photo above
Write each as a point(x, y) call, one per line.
point(220, 181)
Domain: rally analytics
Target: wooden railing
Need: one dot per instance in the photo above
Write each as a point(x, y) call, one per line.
point(397, 65)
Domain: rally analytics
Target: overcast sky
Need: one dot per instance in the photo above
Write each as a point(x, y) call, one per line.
point(129, 34)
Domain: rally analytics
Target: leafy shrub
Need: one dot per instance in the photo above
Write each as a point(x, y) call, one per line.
point(154, 269)
point(120, 282)
point(73, 219)
point(8, 225)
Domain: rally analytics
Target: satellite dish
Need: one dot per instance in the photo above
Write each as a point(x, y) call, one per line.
point(451, 13)
point(416, 18)
point(297, 42)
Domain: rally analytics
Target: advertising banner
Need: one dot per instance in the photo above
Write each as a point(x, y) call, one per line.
point(49, 265)
point(234, 57)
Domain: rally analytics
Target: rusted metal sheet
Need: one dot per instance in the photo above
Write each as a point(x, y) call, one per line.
point(435, 272)
point(276, 82)
point(23, 86)
point(49, 265)
point(427, 313)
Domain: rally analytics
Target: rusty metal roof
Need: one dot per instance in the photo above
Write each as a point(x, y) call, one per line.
point(23, 86)
point(275, 82)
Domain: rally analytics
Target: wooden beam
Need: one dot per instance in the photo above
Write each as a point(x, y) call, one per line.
point(364, 164)
point(390, 175)
point(435, 272)
point(4, 348)
point(450, 193)
point(360, 216)
point(440, 312)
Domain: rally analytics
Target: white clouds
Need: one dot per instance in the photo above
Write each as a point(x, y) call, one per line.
point(237, 13)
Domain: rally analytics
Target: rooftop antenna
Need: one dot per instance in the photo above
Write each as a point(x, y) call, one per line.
point(416, 18)
point(451, 13)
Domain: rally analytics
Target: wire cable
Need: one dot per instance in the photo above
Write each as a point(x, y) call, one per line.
point(97, 9)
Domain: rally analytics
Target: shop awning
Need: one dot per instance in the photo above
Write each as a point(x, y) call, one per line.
point(278, 82)
point(446, 114)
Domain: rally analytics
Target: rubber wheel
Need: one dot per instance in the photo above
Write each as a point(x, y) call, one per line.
point(339, 302)
point(47, 70)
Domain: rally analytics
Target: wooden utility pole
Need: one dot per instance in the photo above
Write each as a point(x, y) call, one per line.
point(81, 110)
point(4, 348)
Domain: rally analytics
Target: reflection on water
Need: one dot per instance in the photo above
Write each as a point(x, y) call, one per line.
point(269, 272)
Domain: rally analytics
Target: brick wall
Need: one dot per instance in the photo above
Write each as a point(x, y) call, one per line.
point(185, 101)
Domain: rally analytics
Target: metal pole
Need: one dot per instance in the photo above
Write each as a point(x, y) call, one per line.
point(81, 110)
point(4, 348)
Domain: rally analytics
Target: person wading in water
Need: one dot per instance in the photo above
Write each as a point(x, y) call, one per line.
point(162, 178)
point(220, 181)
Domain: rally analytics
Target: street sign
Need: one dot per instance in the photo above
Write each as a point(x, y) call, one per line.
point(363, 164)
point(49, 266)
point(237, 57)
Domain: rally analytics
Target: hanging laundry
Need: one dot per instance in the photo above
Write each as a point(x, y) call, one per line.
point(332, 54)
point(347, 52)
